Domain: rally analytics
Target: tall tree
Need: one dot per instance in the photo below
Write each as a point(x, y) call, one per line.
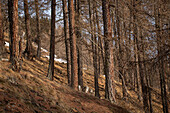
point(160, 49)
point(38, 29)
point(67, 45)
point(14, 39)
point(95, 53)
point(108, 46)
point(2, 45)
point(50, 74)
point(79, 43)
point(29, 48)
point(72, 34)
point(120, 63)
point(140, 65)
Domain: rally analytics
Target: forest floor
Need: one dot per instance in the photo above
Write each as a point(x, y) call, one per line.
point(30, 91)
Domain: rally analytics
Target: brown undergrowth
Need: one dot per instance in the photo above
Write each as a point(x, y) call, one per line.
point(30, 91)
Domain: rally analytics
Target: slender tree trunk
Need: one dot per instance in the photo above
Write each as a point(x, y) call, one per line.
point(161, 60)
point(100, 45)
point(109, 65)
point(29, 47)
point(10, 10)
point(79, 47)
point(94, 48)
point(74, 74)
point(50, 74)
point(15, 60)
point(38, 29)
point(141, 72)
point(67, 45)
point(136, 66)
point(2, 44)
point(120, 51)
point(146, 73)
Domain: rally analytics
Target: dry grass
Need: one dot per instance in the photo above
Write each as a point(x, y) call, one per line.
point(30, 91)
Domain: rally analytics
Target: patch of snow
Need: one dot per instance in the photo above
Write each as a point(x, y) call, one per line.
point(6, 44)
point(47, 56)
point(84, 68)
point(60, 60)
point(57, 59)
point(3, 59)
point(44, 50)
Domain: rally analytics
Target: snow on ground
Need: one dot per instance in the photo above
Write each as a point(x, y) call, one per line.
point(84, 68)
point(57, 59)
point(6, 44)
point(44, 50)
point(60, 60)
point(3, 59)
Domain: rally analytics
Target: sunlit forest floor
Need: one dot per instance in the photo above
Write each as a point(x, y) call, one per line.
point(31, 91)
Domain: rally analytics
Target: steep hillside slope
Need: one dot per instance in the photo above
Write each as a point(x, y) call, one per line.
point(30, 91)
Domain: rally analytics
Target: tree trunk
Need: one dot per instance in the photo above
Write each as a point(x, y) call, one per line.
point(95, 55)
point(109, 64)
point(14, 47)
point(2, 44)
point(29, 47)
point(120, 51)
point(10, 10)
point(161, 60)
point(50, 74)
point(38, 29)
point(67, 45)
point(74, 74)
point(79, 47)
point(141, 72)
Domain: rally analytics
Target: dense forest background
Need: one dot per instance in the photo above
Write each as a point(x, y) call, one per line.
point(126, 41)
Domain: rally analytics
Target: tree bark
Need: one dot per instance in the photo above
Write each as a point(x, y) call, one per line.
point(15, 60)
point(38, 29)
point(2, 44)
point(67, 45)
point(141, 72)
point(120, 51)
point(109, 65)
point(161, 60)
point(50, 74)
point(74, 74)
point(79, 43)
point(10, 10)
point(29, 48)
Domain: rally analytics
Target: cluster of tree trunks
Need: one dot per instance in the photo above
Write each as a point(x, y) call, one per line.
point(101, 47)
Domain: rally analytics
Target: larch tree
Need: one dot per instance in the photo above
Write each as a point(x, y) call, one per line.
point(108, 47)
point(29, 48)
point(2, 44)
point(120, 56)
point(160, 48)
point(38, 29)
point(50, 74)
point(79, 42)
point(67, 39)
point(72, 34)
point(14, 38)
point(95, 52)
